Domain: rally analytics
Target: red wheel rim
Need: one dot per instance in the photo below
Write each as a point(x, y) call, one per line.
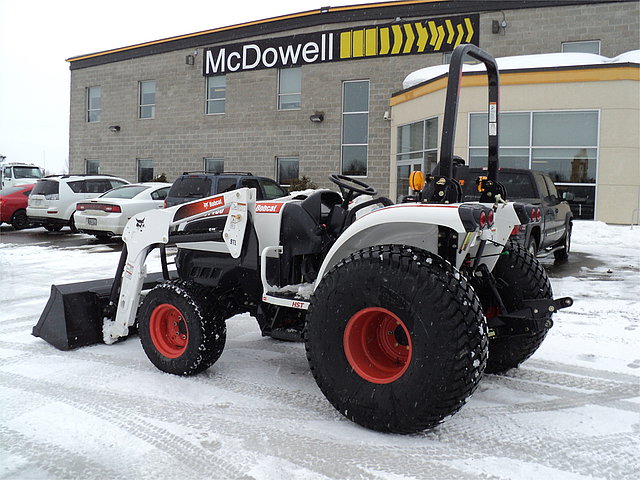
point(168, 330)
point(377, 345)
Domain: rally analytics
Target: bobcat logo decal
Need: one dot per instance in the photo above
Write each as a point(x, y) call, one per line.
point(140, 224)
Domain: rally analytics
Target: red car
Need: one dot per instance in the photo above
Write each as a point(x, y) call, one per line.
point(13, 205)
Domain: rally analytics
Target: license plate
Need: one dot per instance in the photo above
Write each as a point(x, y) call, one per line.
point(92, 221)
point(37, 203)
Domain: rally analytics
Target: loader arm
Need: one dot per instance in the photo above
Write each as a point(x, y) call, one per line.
point(153, 228)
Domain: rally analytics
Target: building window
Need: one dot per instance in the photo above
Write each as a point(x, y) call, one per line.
point(417, 150)
point(287, 169)
point(355, 127)
point(216, 94)
point(446, 58)
point(563, 144)
point(289, 88)
point(589, 46)
point(145, 170)
point(213, 165)
point(147, 99)
point(94, 104)
point(91, 167)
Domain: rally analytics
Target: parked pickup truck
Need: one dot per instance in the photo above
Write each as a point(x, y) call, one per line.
point(552, 234)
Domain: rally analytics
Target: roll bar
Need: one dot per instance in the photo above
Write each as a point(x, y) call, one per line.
point(451, 109)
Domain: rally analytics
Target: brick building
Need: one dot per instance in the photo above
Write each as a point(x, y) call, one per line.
point(302, 94)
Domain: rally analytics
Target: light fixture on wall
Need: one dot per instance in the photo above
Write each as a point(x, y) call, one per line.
point(317, 117)
point(498, 26)
point(114, 128)
point(190, 59)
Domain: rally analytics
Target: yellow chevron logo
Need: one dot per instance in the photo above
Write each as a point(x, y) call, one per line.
point(428, 36)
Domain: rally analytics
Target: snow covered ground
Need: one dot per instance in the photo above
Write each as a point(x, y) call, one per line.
point(105, 412)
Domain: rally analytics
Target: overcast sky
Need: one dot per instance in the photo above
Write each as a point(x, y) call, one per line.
point(37, 36)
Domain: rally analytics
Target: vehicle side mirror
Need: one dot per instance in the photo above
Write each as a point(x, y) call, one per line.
point(568, 196)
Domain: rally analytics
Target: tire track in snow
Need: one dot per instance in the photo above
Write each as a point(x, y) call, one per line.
point(106, 407)
point(57, 461)
point(577, 386)
point(602, 456)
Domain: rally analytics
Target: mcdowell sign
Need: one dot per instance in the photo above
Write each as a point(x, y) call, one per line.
point(407, 38)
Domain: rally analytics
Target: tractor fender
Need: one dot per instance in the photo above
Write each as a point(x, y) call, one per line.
point(415, 225)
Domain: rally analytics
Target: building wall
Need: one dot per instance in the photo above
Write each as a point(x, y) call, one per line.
point(252, 132)
point(618, 101)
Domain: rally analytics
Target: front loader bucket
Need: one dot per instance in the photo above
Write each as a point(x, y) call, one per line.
point(72, 317)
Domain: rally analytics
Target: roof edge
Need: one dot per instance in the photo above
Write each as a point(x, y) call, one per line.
point(423, 88)
point(309, 18)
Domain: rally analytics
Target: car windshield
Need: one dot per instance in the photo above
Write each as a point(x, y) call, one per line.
point(45, 187)
point(128, 191)
point(27, 172)
point(272, 190)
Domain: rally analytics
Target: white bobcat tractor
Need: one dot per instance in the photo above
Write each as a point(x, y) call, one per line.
point(401, 307)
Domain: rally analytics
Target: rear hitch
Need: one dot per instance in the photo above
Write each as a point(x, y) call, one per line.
point(535, 316)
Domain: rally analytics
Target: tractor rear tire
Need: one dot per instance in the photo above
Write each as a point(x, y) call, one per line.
point(519, 276)
point(180, 329)
point(395, 338)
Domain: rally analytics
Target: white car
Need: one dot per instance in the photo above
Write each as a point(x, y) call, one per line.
point(108, 214)
point(52, 201)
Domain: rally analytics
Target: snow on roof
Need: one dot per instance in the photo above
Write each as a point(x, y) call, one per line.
point(525, 62)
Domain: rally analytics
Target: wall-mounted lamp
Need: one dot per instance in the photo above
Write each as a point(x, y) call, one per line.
point(324, 9)
point(387, 115)
point(317, 117)
point(499, 25)
point(114, 128)
point(190, 59)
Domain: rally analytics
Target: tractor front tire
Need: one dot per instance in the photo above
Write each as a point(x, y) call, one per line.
point(519, 276)
point(180, 329)
point(395, 338)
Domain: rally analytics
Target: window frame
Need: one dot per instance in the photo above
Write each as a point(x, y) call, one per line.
point(280, 95)
point(581, 42)
point(210, 101)
point(139, 168)
point(532, 148)
point(295, 158)
point(147, 105)
point(342, 128)
point(93, 110)
point(87, 161)
point(423, 152)
point(215, 159)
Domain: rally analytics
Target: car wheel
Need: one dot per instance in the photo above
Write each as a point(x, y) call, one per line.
point(72, 224)
point(19, 220)
point(532, 246)
point(395, 339)
point(562, 255)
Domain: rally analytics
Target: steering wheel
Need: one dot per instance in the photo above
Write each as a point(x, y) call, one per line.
point(351, 187)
